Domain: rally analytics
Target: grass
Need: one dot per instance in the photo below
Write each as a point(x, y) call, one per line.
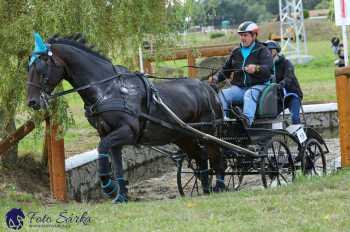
point(317, 77)
point(314, 205)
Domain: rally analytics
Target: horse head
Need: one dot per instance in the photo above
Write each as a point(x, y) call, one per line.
point(65, 58)
point(45, 71)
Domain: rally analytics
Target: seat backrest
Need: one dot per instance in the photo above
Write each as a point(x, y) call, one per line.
point(268, 102)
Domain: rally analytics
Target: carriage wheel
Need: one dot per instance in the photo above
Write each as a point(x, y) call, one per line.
point(234, 180)
point(314, 160)
point(188, 178)
point(278, 166)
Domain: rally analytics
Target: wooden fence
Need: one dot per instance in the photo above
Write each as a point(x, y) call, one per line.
point(191, 54)
point(343, 97)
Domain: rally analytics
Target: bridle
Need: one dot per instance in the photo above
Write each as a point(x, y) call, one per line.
point(42, 70)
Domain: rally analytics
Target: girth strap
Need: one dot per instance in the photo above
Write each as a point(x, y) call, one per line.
point(149, 89)
point(112, 104)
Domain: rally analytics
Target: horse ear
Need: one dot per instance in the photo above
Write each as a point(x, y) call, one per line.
point(39, 43)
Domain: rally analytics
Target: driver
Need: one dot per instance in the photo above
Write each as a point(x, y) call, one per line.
point(249, 66)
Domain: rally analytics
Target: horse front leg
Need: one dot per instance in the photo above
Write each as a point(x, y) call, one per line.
point(117, 162)
point(112, 143)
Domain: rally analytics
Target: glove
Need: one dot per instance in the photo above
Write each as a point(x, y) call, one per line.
point(282, 84)
point(213, 79)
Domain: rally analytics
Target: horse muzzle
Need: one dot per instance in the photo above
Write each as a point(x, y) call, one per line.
point(35, 105)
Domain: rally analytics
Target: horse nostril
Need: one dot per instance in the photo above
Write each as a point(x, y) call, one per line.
point(32, 103)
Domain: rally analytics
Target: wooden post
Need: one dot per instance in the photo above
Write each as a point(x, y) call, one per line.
point(191, 60)
point(147, 66)
point(47, 143)
point(56, 164)
point(343, 97)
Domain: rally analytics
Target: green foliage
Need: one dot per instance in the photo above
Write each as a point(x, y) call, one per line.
point(324, 4)
point(216, 35)
point(116, 27)
point(311, 4)
point(212, 12)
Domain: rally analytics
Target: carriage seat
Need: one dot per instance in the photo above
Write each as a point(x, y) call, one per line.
point(268, 102)
point(268, 106)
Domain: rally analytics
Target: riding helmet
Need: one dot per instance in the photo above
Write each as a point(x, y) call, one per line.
point(248, 26)
point(270, 44)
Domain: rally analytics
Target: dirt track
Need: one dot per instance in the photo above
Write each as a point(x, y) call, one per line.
point(161, 186)
point(164, 185)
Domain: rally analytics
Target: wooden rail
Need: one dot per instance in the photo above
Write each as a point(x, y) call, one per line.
point(15, 137)
point(343, 98)
point(191, 54)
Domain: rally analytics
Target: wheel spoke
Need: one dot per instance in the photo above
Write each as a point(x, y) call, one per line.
point(188, 181)
point(285, 180)
point(195, 185)
point(312, 155)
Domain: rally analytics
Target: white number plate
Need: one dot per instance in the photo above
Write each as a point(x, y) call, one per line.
point(301, 135)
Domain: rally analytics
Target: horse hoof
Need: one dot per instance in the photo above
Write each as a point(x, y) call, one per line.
point(110, 189)
point(120, 198)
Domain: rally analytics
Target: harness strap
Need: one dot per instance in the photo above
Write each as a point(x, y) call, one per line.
point(149, 88)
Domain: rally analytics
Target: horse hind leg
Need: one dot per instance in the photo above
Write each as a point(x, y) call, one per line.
point(218, 163)
point(204, 169)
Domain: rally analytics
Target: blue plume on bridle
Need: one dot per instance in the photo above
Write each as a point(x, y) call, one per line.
point(40, 48)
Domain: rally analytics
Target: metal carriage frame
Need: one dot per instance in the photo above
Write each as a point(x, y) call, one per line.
point(251, 151)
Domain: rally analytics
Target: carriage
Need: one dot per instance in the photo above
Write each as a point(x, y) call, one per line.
point(275, 151)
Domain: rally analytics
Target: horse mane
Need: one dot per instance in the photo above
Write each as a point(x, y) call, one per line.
point(77, 40)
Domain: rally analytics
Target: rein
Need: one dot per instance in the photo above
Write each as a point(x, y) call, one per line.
point(214, 70)
point(59, 94)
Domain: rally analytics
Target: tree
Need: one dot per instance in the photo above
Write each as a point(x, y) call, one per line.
point(117, 27)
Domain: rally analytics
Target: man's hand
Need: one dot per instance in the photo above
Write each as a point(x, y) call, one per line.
point(251, 68)
point(212, 79)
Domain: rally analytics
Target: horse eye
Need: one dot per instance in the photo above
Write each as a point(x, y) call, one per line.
point(44, 58)
point(41, 66)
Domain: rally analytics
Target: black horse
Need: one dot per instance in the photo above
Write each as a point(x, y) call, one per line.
point(119, 105)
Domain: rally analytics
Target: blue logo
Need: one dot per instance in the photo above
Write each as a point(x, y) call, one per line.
point(15, 218)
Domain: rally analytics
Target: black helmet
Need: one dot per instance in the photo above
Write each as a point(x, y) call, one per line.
point(335, 41)
point(248, 26)
point(270, 44)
